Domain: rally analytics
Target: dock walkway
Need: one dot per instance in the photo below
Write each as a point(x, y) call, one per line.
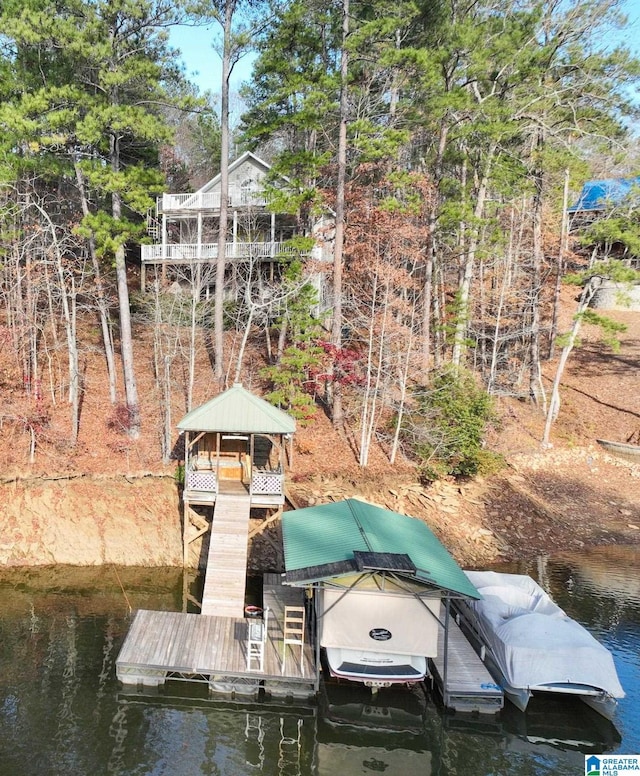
point(226, 574)
point(470, 687)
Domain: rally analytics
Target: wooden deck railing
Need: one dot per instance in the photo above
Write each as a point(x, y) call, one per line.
point(263, 483)
point(185, 253)
point(267, 483)
point(202, 481)
point(209, 200)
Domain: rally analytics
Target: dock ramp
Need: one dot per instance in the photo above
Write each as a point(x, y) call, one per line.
point(226, 574)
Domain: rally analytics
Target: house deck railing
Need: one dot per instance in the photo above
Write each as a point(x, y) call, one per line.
point(174, 253)
point(209, 200)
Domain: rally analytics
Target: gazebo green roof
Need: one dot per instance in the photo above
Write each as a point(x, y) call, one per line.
point(327, 541)
point(238, 411)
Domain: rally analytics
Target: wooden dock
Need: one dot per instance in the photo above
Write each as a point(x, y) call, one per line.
point(226, 574)
point(469, 685)
point(214, 649)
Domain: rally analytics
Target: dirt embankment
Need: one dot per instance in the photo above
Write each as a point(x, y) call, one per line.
point(540, 504)
point(88, 521)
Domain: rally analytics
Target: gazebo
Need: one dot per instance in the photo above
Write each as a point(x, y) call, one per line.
point(236, 443)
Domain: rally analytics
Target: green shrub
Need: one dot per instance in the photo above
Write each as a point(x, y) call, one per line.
point(445, 430)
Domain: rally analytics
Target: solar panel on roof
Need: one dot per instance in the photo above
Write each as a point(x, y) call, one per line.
point(384, 561)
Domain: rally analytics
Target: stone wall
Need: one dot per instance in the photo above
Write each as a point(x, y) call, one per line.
point(617, 296)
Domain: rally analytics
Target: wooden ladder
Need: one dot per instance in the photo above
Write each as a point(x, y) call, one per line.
point(293, 632)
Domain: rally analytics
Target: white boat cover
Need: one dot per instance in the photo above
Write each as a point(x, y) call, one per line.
point(533, 640)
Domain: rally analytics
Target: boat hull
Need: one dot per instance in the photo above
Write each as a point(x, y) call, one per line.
point(621, 450)
point(375, 669)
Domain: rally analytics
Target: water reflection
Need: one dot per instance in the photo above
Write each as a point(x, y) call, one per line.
point(62, 712)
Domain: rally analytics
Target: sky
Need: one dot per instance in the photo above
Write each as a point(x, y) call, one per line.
point(203, 65)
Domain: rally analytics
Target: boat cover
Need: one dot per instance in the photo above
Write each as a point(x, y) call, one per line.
point(533, 640)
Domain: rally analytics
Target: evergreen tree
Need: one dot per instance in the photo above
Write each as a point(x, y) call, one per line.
point(94, 78)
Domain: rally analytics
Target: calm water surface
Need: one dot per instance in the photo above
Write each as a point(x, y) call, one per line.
point(62, 711)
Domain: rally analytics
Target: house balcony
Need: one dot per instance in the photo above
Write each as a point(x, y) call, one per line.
point(191, 253)
point(208, 201)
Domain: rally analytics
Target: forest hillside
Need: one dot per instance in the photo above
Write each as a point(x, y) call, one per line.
point(379, 240)
point(112, 499)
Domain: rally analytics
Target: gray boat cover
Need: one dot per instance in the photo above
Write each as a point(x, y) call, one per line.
point(533, 641)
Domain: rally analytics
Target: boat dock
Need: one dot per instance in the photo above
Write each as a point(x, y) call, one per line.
point(235, 656)
point(469, 685)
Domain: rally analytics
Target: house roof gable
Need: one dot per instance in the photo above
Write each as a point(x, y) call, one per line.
point(247, 159)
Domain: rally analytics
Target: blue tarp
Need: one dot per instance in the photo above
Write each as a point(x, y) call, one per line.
point(599, 194)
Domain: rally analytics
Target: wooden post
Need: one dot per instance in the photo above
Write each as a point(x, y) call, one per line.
point(445, 687)
point(185, 504)
point(185, 533)
point(251, 453)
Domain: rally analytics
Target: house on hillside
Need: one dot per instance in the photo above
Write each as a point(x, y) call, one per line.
point(610, 198)
point(184, 228)
point(599, 196)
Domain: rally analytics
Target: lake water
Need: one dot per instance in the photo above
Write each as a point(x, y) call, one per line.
point(63, 713)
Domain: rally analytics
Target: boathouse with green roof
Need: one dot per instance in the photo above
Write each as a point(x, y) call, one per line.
point(380, 582)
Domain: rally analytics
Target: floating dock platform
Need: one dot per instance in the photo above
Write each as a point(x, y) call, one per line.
point(235, 656)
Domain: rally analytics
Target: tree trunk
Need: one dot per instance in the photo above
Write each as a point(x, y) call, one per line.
point(337, 413)
point(126, 339)
point(431, 247)
point(196, 286)
point(554, 404)
point(467, 276)
point(562, 252)
point(535, 385)
point(68, 303)
point(218, 325)
point(103, 306)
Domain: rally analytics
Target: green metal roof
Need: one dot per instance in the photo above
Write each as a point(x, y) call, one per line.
point(319, 543)
point(238, 411)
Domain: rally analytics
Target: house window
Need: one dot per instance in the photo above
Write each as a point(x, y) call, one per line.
point(247, 189)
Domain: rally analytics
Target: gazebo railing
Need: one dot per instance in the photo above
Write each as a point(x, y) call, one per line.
point(202, 480)
point(267, 483)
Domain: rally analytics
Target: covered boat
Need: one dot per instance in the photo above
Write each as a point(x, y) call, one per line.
point(531, 645)
point(621, 450)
